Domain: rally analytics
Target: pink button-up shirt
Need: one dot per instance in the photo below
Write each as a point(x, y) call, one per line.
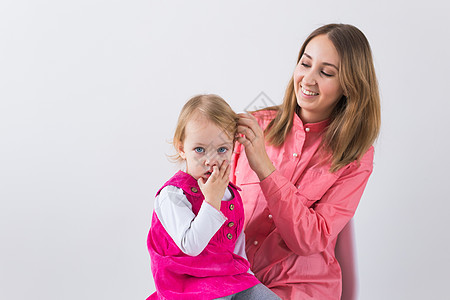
point(293, 217)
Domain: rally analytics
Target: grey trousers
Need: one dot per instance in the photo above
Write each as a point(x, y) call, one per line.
point(258, 292)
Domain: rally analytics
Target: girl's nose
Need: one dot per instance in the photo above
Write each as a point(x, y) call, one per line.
point(211, 161)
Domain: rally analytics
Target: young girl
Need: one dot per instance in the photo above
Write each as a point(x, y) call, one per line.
point(196, 242)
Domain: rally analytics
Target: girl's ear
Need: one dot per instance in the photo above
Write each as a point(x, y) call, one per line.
point(181, 151)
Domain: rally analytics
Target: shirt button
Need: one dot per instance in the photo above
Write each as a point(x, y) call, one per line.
point(231, 206)
point(229, 236)
point(194, 189)
point(231, 224)
point(270, 216)
point(255, 243)
point(237, 172)
point(294, 154)
point(307, 129)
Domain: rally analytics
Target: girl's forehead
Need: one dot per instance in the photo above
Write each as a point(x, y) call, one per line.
point(198, 130)
point(198, 121)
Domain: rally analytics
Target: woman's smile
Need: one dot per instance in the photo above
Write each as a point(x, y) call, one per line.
point(308, 93)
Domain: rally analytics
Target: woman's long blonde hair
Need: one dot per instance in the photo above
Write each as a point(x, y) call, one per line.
point(355, 120)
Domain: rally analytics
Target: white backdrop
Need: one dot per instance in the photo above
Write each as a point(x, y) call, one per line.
point(89, 95)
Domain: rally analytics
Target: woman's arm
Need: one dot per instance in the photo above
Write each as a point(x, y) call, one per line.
point(307, 230)
point(305, 227)
point(252, 138)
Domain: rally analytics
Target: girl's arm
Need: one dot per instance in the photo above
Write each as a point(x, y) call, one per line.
point(189, 232)
point(239, 248)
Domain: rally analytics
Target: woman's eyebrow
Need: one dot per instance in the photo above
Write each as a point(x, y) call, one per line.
point(325, 63)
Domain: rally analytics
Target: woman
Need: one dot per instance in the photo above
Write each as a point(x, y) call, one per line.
point(303, 165)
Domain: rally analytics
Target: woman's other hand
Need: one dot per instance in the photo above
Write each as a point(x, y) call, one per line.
point(252, 137)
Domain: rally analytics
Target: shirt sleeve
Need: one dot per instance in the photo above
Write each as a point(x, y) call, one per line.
point(308, 230)
point(239, 248)
point(189, 232)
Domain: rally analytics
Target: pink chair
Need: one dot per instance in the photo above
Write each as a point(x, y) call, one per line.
point(346, 256)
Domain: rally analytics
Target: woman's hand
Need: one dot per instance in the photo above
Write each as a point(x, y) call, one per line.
point(214, 188)
point(252, 137)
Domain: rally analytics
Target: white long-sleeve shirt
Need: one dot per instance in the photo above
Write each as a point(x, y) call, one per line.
point(189, 232)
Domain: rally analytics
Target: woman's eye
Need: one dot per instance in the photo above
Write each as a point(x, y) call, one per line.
point(199, 149)
point(326, 74)
point(305, 65)
point(222, 150)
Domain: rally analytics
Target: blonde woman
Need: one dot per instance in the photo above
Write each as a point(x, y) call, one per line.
point(303, 165)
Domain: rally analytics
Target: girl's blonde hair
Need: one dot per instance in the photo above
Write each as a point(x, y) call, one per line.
point(355, 121)
point(214, 108)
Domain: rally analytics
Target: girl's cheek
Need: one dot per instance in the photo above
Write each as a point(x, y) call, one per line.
point(227, 159)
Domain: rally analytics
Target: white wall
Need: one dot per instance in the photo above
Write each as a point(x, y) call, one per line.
point(89, 94)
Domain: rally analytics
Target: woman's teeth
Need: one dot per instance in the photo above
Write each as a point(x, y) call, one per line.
point(309, 93)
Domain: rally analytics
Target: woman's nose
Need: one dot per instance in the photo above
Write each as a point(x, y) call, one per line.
point(309, 78)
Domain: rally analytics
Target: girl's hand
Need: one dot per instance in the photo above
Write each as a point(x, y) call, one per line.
point(214, 188)
point(252, 137)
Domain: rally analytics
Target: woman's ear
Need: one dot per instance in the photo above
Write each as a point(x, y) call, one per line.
point(344, 92)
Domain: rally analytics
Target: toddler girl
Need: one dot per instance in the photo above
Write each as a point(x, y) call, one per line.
point(196, 241)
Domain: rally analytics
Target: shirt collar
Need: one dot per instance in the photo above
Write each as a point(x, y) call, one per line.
point(310, 127)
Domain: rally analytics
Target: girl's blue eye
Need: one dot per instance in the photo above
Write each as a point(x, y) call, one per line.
point(199, 149)
point(222, 150)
